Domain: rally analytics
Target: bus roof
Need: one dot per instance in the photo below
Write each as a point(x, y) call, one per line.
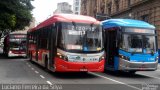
point(66, 18)
point(126, 23)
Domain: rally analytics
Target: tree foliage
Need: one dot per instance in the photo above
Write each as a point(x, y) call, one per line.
point(15, 14)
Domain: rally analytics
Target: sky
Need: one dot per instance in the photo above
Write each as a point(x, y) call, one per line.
point(45, 8)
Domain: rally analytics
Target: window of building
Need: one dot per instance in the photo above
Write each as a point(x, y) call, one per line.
point(102, 6)
point(76, 13)
point(145, 18)
point(77, 3)
point(76, 9)
point(117, 4)
point(129, 3)
point(109, 5)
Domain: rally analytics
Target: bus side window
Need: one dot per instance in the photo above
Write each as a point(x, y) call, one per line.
point(121, 43)
point(30, 38)
point(46, 35)
point(42, 38)
point(34, 39)
point(49, 30)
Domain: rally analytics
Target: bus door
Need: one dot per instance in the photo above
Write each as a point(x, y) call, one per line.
point(52, 45)
point(110, 47)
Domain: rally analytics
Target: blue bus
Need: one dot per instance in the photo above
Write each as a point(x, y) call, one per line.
point(130, 45)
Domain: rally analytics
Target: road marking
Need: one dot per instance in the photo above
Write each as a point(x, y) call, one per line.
point(115, 80)
point(49, 82)
point(149, 76)
point(42, 76)
point(32, 68)
point(29, 65)
point(36, 72)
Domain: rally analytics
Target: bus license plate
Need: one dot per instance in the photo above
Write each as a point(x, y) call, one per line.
point(83, 70)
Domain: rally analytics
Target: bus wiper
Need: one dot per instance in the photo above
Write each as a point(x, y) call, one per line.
point(74, 24)
point(91, 26)
point(133, 52)
point(152, 52)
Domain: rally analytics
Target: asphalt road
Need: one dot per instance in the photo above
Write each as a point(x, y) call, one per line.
point(20, 71)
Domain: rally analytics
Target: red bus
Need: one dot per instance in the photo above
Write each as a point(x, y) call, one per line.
point(67, 43)
point(15, 45)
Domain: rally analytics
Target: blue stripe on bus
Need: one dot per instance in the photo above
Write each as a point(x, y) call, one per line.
point(126, 23)
point(139, 57)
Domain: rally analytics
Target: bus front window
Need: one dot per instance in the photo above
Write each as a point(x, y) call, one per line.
point(138, 43)
point(81, 37)
point(17, 43)
point(149, 44)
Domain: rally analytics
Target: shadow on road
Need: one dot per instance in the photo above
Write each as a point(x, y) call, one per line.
point(73, 75)
point(2, 56)
point(66, 75)
point(125, 74)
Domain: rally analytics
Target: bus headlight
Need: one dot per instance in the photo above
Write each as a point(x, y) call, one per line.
point(101, 58)
point(157, 58)
point(61, 56)
point(10, 51)
point(124, 57)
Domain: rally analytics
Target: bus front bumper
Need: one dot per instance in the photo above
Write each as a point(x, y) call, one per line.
point(64, 66)
point(137, 66)
point(16, 55)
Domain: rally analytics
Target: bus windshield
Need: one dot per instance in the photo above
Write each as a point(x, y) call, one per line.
point(17, 42)
point(138, 43)
point(78, 37)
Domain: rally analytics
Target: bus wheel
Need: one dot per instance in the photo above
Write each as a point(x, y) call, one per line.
point(132, 72)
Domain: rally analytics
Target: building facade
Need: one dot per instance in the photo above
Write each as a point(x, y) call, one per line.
point(88, 6)
point(63, 7)
point(76, 6)
point(146, 10)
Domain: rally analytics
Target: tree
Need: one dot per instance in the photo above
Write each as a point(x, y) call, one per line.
point(15, 14)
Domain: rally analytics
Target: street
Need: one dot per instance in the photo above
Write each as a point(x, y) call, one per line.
point(79, 45)
point(22, 71)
